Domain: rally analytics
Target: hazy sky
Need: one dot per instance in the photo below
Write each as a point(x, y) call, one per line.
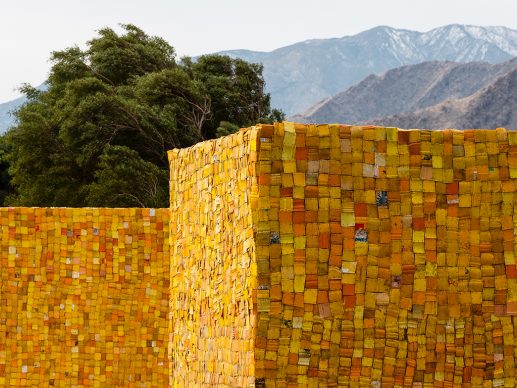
point(31, 29)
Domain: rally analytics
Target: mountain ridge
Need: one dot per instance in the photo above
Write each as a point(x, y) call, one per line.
point(405, 89)
point(329, 66)
point(493, 106)
point(6, 109)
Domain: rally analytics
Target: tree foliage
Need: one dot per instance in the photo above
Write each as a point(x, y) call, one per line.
point(98, 135)
point(5, 184)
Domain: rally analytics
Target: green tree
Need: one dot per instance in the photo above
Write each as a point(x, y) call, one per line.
point(5, 184)
point(112, 189)
point(98, 135)
point(235, 87)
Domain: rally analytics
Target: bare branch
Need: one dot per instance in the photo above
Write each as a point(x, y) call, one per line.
point(131, 196)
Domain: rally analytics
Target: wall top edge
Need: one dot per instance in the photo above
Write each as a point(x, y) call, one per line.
point(241, 136)
point(286, 126)
point(306, 127)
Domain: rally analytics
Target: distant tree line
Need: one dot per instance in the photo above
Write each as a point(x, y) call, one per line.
point(98, 135)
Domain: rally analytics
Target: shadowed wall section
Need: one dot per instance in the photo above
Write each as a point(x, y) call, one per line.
point(395, 258)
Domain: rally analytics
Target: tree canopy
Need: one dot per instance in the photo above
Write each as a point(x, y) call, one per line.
point(98, 135)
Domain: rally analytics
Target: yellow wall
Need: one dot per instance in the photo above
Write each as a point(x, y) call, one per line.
point(300, 256)
point(383, 258)
point(84, 297)
point(390, 257)
point(213, 272)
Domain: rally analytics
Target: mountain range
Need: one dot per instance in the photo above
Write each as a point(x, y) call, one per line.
point(6, 109)
point(399, 96)
point(493, 106)
point(300, 75)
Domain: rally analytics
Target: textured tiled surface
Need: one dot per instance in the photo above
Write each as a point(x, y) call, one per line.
point(84, 297)
point(384, 257)
point(213, 272)
point(395, 257)
point(301, 256)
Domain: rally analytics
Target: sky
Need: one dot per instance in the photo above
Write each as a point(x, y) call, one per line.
point(31, 29)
